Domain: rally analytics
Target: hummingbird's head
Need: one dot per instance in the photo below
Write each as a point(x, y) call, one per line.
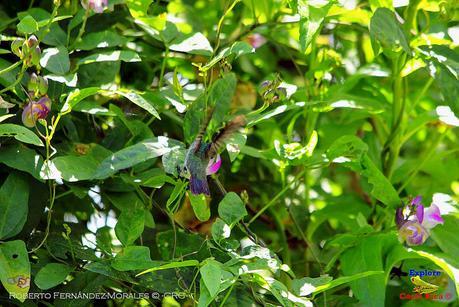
point(184, 172)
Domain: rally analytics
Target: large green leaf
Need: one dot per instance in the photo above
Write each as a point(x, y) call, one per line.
point(307, 285)
point(14, 200)
point(211, 275)
point(76, 96)
point(130, 224)
point(104, 39)
point(140, 101)
point(56, 60)
point(220, 97)
point(19, 157)
point(351, 152)
point(133, 258)
point(132, 155)
point(138, 8)
point(111, 56)
point(52, 275)
point(364, 257)
point(231, 209)
point(27, 25)
point(171, 265)
point(200, 206)
point(195, 43)
point(446, 235)
point(15, 269)
point(20, 133)
point(386, 32)
point(312, 17)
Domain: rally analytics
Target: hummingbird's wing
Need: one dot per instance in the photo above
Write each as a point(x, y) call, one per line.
point(202, 130)
point(220, 138)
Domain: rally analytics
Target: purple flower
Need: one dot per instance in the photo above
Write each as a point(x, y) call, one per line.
point(35, 110)
point(214, 165)
point(98, 6)
point(414, 222)
point(413, 233)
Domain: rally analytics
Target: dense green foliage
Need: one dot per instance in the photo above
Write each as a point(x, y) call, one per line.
point(348, 113)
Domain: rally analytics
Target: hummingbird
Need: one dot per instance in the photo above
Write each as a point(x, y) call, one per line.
point(203, 159)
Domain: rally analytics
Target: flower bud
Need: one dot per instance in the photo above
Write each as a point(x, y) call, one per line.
point(98, 6)
point(42, 85)
point(32, 41)
point(36, 110)
point(16, 47)
point(35, 56)
point(32, 86)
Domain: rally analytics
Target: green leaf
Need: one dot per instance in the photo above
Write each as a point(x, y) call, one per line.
point(56, 60)
point(20, 133)
point(133, 155)
point(220, 230)
point(446, 235)
point(14, 200)
point(138, 8)
point(176, 195)
point(19, 157)
point(351, 151)
point(76, 96)
point(231, 209)
point(52, 275)
point(364, 257)
point(237, 49)
point(386, 31)
point(130, 224)
point(221, 94)
point(312, 17)
point(307, 285)
point(200, 206)
point(211, 275)
point(104, 39)
point(171, 265)
point(111, 56)
point(140, 101)
point(195, 43)
point(27, 25)
point(382, 190)
point(15, 269)
point(75, 168)
point(133, 258)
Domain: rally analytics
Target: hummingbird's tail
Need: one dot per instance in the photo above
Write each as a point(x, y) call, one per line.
point(199, 186)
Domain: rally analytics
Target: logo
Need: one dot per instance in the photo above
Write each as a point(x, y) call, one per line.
point(422, 286)
point(426, 284)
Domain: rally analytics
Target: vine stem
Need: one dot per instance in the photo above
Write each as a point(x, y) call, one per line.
point(19, 79)
point(275, 198)
point(9, 68)
point(428, 154)
point(81, 31)
point(220, 23)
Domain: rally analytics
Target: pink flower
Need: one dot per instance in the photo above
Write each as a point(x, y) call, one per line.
point(214, 165)
point(256, 40)
point(98, 6)
point(35, 110)
point(432, 217)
